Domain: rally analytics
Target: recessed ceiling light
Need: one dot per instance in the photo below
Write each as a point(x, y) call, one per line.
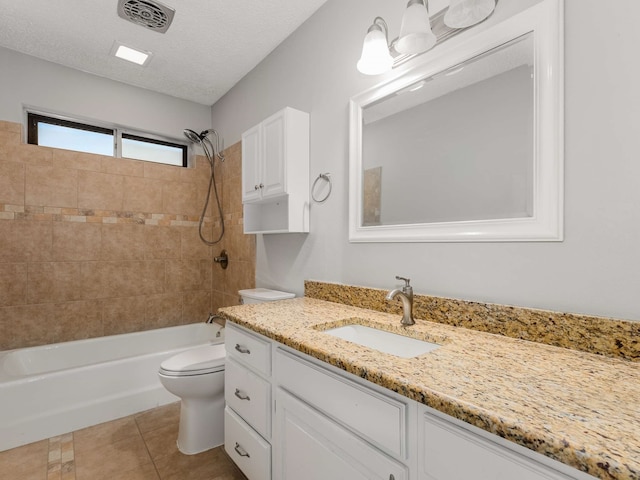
point(131, 54)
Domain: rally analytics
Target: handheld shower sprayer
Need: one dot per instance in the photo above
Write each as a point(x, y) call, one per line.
point(211, 151)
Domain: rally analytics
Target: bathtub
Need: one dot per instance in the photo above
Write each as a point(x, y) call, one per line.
point(53, 389)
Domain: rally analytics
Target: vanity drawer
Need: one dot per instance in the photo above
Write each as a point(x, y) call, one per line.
point(250, 452)
point(249, 396)
point(379, 419)
point(248, 349)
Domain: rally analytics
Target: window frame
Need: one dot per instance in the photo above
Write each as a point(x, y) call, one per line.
point(118, 133)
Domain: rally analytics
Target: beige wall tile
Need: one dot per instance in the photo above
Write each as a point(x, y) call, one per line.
point(100, 190)
point(193, 248)
point(241, 246)
point(162, 242)
point(22, 241)
point(10, 126)
point(74, 241)
point(180, 198)
point(76, 160)
point(163, 310)
point(122, 279)
point(196, 307)
point(123, 315)
point(51, 186)
point(142, 195)
point(76, 321)
point(123, 242)
point(218, 277)
point(122, 166)
point(239, 276)
point(54, 282)
point(26, 325)
point(188, 275)
point(162, 172)
point(9, 137)
point(28, 154)
point(12, 183)
point(13, 283)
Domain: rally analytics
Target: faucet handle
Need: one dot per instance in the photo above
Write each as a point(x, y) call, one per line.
point(406, 280)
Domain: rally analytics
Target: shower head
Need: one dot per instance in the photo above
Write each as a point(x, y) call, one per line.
point(193, 136)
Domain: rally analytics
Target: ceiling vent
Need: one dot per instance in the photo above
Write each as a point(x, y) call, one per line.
point(150, 14)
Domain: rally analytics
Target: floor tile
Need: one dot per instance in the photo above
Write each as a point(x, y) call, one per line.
point(28, 462)
point(203, 466)
point(162, 441)
point(110, 461)
point(105, 434)
point(158, 417)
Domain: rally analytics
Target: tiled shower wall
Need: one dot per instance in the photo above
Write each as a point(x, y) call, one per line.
point(93, 245)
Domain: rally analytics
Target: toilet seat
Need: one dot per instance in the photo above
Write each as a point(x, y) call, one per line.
point(197, 361)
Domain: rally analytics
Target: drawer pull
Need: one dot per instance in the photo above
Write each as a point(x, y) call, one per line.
point(242, 349)
point(241, 451)
point(240, 395)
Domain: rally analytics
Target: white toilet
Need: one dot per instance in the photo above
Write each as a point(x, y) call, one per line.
point(197, 377)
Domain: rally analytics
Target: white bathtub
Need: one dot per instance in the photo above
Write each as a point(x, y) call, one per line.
point(53, 389)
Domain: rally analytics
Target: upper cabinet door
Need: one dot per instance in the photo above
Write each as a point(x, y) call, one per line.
point(274, 154)
point(251, 155)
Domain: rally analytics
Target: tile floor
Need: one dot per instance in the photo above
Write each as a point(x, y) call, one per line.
point(138, 447)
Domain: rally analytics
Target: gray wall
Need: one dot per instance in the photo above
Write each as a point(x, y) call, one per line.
point(26, 80)
point(595, 270)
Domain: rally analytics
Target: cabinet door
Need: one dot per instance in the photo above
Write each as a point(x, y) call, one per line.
point(274, 163)
point(251, 156)
point(450, 452)
point(311, 446)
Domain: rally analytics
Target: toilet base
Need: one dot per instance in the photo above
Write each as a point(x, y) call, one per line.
point(201, 425)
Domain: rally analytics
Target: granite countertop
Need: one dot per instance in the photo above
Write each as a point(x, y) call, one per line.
point(575, 407)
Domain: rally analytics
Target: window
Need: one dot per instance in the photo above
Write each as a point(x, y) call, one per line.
point(55, 132)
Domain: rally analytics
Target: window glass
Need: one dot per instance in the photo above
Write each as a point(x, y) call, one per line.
point(81, 137)
point(153, 151)
point(58, 136)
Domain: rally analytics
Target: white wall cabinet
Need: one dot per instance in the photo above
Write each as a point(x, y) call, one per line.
point(325, 423)
point(275, 174)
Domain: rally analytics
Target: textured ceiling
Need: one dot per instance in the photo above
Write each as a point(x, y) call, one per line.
point(208, 48)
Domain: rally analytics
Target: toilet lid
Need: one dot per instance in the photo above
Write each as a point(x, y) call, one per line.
point(196, 361)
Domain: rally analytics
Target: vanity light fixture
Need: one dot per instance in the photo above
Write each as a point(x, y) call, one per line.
point(416, 34)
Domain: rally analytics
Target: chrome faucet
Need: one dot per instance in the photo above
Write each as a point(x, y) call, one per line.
point(406, 295)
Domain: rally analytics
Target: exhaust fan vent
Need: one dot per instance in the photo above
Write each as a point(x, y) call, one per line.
point(151, 14)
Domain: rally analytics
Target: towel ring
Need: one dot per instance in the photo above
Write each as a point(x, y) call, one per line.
point(323, 176)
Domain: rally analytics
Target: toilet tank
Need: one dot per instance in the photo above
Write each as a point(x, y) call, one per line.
point(262, 295)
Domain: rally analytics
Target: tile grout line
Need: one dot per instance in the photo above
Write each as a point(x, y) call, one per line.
point(144, 441)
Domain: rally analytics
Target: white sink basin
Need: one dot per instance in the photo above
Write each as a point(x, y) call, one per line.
point(383, 341)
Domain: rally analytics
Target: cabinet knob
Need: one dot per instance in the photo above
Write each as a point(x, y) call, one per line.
point(241, 451)
point(240, 395)
point(242, 349)
point(391, 477)
point(261, 185)
point(256, 187)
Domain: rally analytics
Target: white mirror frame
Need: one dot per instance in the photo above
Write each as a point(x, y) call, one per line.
point(545, 21)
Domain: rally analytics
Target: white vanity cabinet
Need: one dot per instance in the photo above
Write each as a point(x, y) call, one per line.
point(275, 174)
point(327, 426)
point(247, 393)
point(308, 420)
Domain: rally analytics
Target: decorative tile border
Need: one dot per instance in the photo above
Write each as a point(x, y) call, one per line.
point(602, 336)
point(61, 461)
point(82, 215)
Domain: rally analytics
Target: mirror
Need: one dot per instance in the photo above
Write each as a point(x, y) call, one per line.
point(466, 145)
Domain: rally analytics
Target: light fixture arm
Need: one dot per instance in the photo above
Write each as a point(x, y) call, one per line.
point(380, 24)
